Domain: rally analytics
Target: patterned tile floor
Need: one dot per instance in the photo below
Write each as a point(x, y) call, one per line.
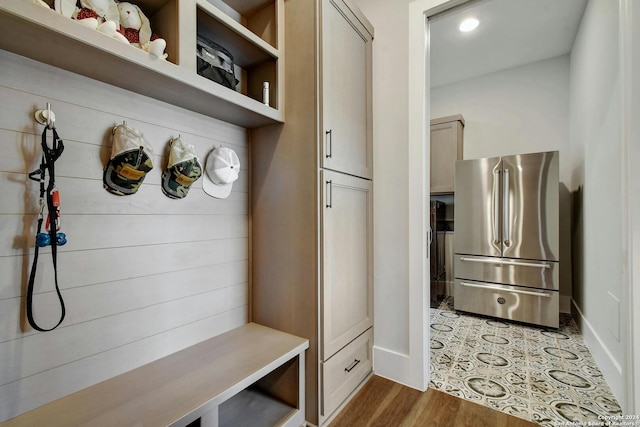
point(543, 375)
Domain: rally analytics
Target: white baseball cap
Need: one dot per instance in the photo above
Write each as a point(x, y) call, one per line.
point(221, 170)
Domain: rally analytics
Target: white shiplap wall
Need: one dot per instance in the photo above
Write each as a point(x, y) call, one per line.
point(143, 275)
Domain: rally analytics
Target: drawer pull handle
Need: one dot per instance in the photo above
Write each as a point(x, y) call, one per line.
point(504, 262)
point(515, 291)
point(353, 365)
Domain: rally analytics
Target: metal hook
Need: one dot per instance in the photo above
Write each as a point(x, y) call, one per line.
point(46, 117)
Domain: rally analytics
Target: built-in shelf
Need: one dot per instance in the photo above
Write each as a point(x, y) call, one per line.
point(237, 378)
point(254, 408)
point(251, 35)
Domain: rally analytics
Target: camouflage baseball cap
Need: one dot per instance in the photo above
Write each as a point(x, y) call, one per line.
point(129, 163)
point(182, 170)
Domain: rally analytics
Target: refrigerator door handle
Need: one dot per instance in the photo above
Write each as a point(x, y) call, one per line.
point(515, 291)
point(506, 219)
point(504, 262)
point(496, 206)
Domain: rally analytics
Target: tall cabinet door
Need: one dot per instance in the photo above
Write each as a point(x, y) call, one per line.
point(346, 91)
point(347, 291)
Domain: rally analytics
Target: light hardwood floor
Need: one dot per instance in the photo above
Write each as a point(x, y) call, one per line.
point(383, 403)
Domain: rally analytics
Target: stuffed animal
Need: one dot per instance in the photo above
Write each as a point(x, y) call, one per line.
point(41, 3)
point(137, 30)
point(63, 7)
point(101, 15)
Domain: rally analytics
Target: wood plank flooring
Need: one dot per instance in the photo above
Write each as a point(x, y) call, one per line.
point(383, 403)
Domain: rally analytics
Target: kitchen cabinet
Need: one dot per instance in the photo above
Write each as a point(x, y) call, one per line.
point(446, 148)
point(311, 243)
point(250, 30)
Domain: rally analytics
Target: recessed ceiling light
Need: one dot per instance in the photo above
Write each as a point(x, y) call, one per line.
point(468, 24)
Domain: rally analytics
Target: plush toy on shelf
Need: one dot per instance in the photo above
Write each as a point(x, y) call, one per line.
point(63, 7)
point(41, 3)
point(101, 15)
point(137, 30)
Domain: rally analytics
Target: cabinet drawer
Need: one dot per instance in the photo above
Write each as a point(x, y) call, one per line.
point(345, 370)
point(530, 305)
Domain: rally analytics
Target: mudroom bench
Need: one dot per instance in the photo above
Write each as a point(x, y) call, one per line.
point(234, 379)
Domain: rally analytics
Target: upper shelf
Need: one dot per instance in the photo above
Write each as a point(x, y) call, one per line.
point(250, 49)
point(43, 35)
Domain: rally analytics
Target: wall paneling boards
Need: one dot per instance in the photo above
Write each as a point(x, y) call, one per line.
point(143, 275)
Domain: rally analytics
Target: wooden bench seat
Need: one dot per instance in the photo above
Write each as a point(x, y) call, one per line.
point(187, 385)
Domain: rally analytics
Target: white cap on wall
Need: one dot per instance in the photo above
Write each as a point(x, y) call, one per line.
point(221, 171)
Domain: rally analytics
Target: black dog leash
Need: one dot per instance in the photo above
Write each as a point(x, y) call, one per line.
point(55, 239)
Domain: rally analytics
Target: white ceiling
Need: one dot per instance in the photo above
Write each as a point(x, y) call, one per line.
point(511, 33)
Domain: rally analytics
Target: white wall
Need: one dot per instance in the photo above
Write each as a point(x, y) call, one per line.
point(400, 190)
point(595, 143)
point(523, 109)
point(519, 110)
point(390, 197)
point(143, 275)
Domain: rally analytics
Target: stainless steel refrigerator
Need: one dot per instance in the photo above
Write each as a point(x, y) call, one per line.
point(506, 241)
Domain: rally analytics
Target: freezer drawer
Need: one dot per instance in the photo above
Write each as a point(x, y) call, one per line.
point(540, 307)
point(519, 272)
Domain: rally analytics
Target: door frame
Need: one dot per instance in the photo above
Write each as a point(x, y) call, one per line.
point(629, 44)
point(419, 191)
point(418, 169)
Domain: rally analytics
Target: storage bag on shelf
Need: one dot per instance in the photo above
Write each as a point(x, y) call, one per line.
point(215, 62)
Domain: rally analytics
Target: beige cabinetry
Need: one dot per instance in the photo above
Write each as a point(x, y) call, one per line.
point(346, 260)
point(446, 148)
point(312, 202)
point(250, 30)
point(346, 286)
point(346, 83)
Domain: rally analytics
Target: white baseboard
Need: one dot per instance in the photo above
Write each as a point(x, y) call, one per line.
point(392, 365)
point(607, 363)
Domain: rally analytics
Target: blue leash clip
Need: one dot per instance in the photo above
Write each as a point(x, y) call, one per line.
point(43, 239)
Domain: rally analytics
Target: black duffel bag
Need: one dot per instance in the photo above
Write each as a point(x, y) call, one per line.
point(215, 63)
